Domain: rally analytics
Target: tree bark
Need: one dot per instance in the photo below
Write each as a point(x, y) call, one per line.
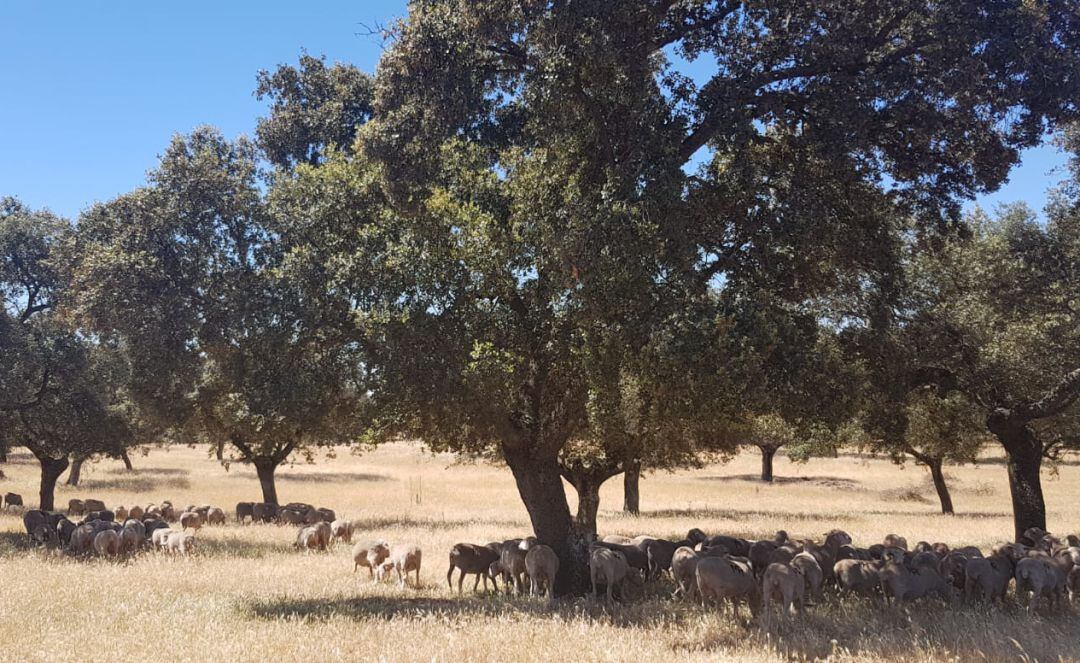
point(1024, 463)
point(632, 489)
point(76, 472)
point(220, 451)
point(127, 460)
point(767, 455)
point(539, 482)
point(265, 468)
point(51, 469)
point(939, 483)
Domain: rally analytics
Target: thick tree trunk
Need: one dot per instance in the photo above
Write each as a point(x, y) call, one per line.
point(1024, 463)
point(587, 485)
point(939, 483)
point(539, 482)
point(3, 454)
point(220, 451)
point(76, 472)
point(767, 455)
point(51, 469)
point(127, 460)
point(632, 489)
point(265, 468)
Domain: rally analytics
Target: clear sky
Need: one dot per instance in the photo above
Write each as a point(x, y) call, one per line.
point(93, 90)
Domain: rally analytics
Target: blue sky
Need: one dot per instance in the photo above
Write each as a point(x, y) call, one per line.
point(93, 90)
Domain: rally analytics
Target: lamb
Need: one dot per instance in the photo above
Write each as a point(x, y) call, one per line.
point(403, 559)
point(541, 563)
point(107, 543)
point(902, 585)
point(12, 499)
point(191, 520)
point(1039, 578)
point(786, 584)
point(245, 510)
point(215, 516)
point(858, 576)
point(720, 578)
point(608, 566)
point(470, 559)
point(180, 543)
point(370, 555)
point(813, 576)
point(342, 530)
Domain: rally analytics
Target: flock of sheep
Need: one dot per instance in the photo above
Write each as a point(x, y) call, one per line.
point(710, 569)
point(788, 573)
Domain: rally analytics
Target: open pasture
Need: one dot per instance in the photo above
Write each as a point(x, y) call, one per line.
point(249, 595)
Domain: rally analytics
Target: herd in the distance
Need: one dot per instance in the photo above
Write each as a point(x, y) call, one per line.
point(789, 573)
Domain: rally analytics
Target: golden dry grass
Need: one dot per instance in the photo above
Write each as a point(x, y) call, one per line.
point(249, 596)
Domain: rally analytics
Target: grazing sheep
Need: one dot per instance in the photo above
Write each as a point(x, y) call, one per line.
point(294, 517)
point(898, 582)
point(616, 538)
point(307, 538)
point(131, 539)
point(104, 516)
point(759, 555)
point(107, 543)
point(342, 530)
point(32, 519)
point(215, 516)
point(1072, 583)
point(608, 566)
point(120, 513)
point(12, 499)
point(858, 576)
point(180, 543)
point(76, 507)
point(470, 559)
point(136, 512)
point(245, 510)
point(812, 574)
point(160, 538)
point(923, 560)
point(327, 515)
point(64, 529)
point(45, 535)
point(136, 525)
point(191, 520)
point(512, 562)
point(1038, 578)
point(405, 559)
point(683, 569)
point(720, 578)
point(541, 563)
point(786, 584)
point(954, 568)
point(635, 556)
point(659, 553)
point(369, 554)
point(93, 505)
point(988, 578)
point(152, 525)
point(326, 536)
point(168, 512)
point(734, 546)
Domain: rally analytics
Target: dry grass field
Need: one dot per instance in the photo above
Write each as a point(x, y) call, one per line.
point(248, 595)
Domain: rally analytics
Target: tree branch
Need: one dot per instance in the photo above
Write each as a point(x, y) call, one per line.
point(1054, 401)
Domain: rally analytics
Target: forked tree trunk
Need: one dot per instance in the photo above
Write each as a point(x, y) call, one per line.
point(938, 474)
point(539, 482)
point(265, 468)
point(76, 472)
point(767, 455)
point(587, 485)
point(1024, 463)
point(127, 460)
point(632, 489)
point(51, 469)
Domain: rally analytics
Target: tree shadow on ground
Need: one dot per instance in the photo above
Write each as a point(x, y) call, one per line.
point(826, 481)
point(315, 477)
point(135, 483)
point(748, 515)
point(241, 548)
point(149, 471)
point(390, 522)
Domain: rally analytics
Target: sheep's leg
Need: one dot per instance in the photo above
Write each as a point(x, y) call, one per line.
point(477, 583)
point(450, 578)
point(460, 580)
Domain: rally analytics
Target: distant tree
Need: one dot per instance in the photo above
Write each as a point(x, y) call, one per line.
point(313, 108)
point(225, 346)
point(63, 392)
